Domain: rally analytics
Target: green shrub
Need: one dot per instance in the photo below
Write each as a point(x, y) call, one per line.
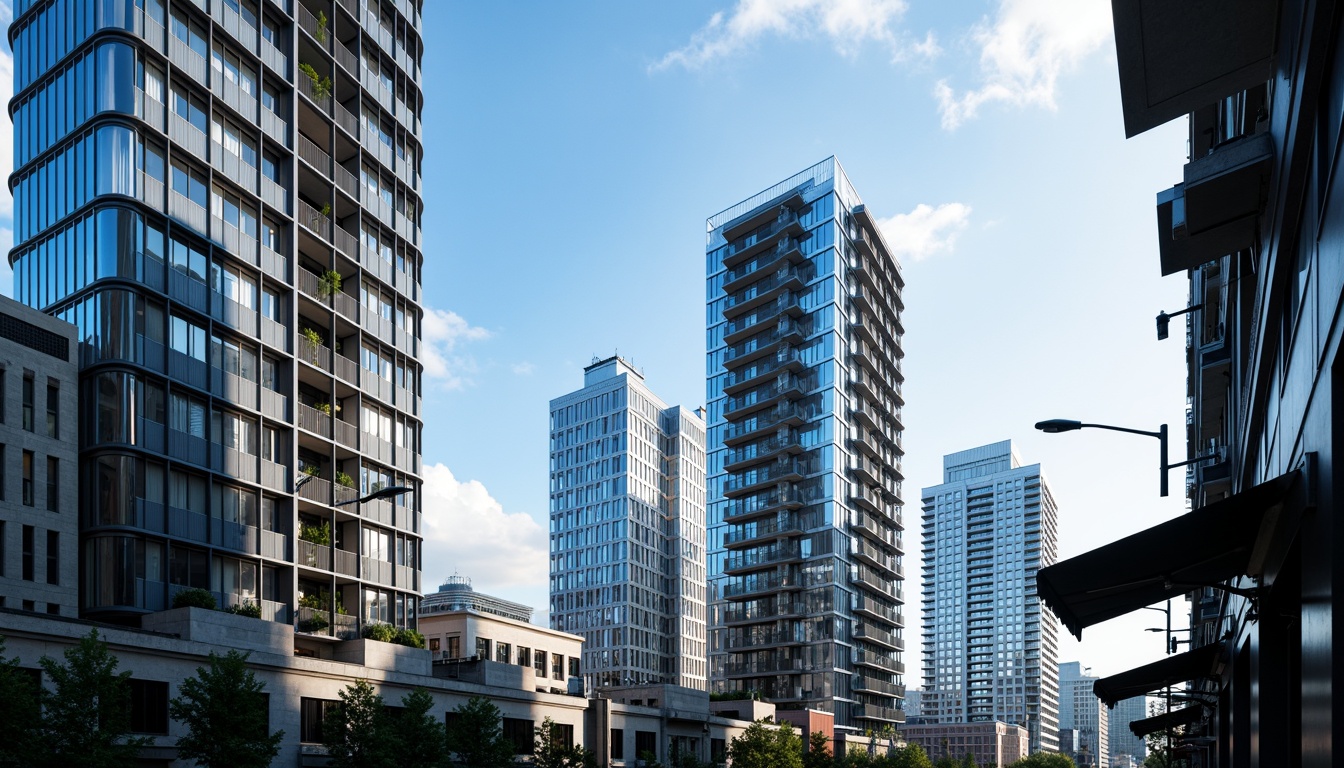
point(409, 638)
point(383, 633)
point(249, 609)
point(195, 598)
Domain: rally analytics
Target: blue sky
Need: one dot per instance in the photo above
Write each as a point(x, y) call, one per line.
point(574, 151)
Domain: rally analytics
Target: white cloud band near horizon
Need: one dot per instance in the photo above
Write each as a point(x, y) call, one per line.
point(926, 231)
point(847, 24)
point(441, 332)
point(466, 531)
point(1023, 52)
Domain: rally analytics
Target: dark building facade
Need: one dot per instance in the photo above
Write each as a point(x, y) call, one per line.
point(224, 197)
point(1257, 229)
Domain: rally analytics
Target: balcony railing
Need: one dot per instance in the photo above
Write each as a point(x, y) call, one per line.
point(315, 220)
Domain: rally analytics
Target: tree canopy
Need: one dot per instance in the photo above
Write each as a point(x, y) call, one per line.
point(20, 715)
point(225, 710)
point(476, 736)
point(87, 714)
point(761, 746)
point(1044, 760)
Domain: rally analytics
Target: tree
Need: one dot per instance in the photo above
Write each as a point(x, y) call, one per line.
point(552, 750)
point(356, 733)
point(911, 756)
point(20, 715)
point(1044, 760)
point(419, 738)
point(968, 761)
point(763, 747)
point(476, 738)
point(88, 712)
point(818, 751)
point(1159, 756)
point(224, 709)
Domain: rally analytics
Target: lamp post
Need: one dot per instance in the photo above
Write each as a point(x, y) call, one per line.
point(1053, 426)
point(386, 492)
point(1169, 647)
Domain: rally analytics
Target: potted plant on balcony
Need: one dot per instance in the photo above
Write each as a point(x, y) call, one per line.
point(314, 340)
point(321, 84)
point(325, 408)
point(319, 619)
point(321, 27)
point(345, 480)
point(319, 535)
point(329, 283)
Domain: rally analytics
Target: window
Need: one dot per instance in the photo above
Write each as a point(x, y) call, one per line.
point(617, 743)
point(149, 706)
point(524, 656)
point(562, 735)
point(27, 553)
point(573, 666)
point(455, 647)
point(557, 667)
point(646, 741)
point(2, 396)
point(53, 557)
point(53, 408)
point(519, 732)
point(540, 664)
point(502, 652)
point(28, 402)
point(483, 647)
point(53, 484)
point(28, 478)
point(311, 714)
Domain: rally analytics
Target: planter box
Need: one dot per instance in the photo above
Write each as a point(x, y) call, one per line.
point(379, 655)
point(226, 629)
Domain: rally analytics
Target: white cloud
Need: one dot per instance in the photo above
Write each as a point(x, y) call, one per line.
point(926, 230)
point(522, 369)
point(847, 23)
point(467, 531)
point(1024, 51)
point(441, 332)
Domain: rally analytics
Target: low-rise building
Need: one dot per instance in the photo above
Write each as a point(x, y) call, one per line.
point(39, 527)
point(992, 743)
point(460, 624)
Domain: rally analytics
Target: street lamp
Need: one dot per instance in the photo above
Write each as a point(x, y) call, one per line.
point(1054, 426)
point(1170, 647)
point(1164, 320)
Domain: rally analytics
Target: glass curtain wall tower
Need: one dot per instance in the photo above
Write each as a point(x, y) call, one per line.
point(990, 652)
point(804, 392)
point(628, 530)
point(224, 196)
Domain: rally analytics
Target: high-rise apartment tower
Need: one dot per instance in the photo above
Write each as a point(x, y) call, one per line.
point(224, 196)
point(1080, 710)
point(990, 652)
point(804, 392)
point(628, 530)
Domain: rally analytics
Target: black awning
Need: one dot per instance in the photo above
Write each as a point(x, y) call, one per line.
point(1204, 661)
point(1183, 716)
point(1201, 548)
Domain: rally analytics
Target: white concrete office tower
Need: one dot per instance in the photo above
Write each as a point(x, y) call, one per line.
point(990, 652)
point(628, 530)
point(1123, 741)
point(804, 392)
point(1082, 711)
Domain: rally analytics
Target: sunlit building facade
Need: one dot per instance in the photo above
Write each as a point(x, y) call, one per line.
point(628, 530)
point(990, 651)
point(224, 197)
point(804, 393)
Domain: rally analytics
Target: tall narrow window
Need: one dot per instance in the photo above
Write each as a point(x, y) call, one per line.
point(53, 484)
point(28, 478)
point(53, 410)
point(27, 553)
point(53, 557)
point(3, 398)
point(28, 402)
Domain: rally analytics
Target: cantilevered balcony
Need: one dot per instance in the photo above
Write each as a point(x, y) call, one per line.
point(867, 415)
point(784, 443)
point(743, 247)
point(757, 611)
point(870, 607)
point(877, 636)
point(781, 470)
point(869, 658)
point(786, 358)
point(762, 666)
point(787, 250)
point(744, 326)
point(785, 496)
point(877, 712)
point(865, 551)
point(786, 331)
point(787, 414)
point(762, 557)
point(862, 683)
point(751, 534)
point(741, 587)
point(767, 290)
point(787, 385)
